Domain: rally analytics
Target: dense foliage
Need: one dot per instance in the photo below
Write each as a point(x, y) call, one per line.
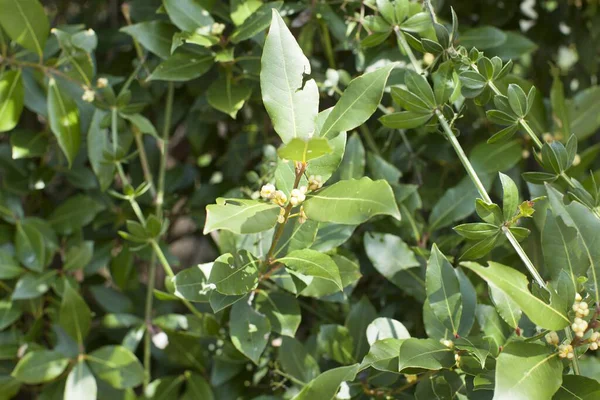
point(306, 200)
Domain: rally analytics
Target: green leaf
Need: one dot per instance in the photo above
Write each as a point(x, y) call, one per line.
point(240, 216)
point(249, 330)
point(31, 286)
point(328, 164)
point(40, 366)
point(191, 283)
point(64, 120)
point(480, 248)
point(26, 23)
point(417, 355)
point(12, 95)
point(527, 371)
point(352, 202)
point(563, 249)
point(445, 83)
point(228, 96)
point(501, 117)
point(510, 197)
point(491, 324)
point(74, 214)
point(358, 102)
point(360, 316)
point(577, 387)
point(117, 366)
point(508, 310)
point(8, 314)
point(182, 66)
point(197, 388)
point(305, 150)
point(478, 347)
point(405, 119)
point(296, 361)
point(476, 231)
point(492, 158)
point(97, 146)
point(383, 355)
point(28, 144)
point(79, 256)
point(514, 285)
point(75, 316)
point(502, 134)
point(291, 103)
point(385, 328)
point(353, 163)
point(188, 15)
point(282, 310)
point(9, 266)
point(256, 23)
point(155, 36)
point(577, 216)
point(583, 111)
point(443, 290)
point(326, 385)
point(313, 263)
point(30, 245)
point(418, 85)
point(456, 204)
point(484, 37)
point(242, 9)
point(335, 342)
point(199, 39)
point(81, 384)
point(409, 101)
point(235, 274)
point(517, 100)
point(389, 254)
point(142, 123)
point(419, 23)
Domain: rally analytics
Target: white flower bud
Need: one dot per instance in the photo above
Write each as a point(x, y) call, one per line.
point(281, 217)
point(566, 351)
point(410, 378)
point(302, 218)
point(267, 191)
point(576, 160)
point(160, 340)
point(88, 96)
point(552, 338)
point(315, 182)
point(448, 343)
point(578, 297)
point(297, 197)
point(579, 326)
point(344, 392)
point(102, 82)
point(279, 198)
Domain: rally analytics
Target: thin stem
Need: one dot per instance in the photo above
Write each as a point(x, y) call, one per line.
point(463, 157)
point(524, 257)
point(531, 133)
point(366, 133)
point(411, 56)
point(148, 320)
point(114, 130)
point(164, 152)
point(45, 69)
point(144, 160)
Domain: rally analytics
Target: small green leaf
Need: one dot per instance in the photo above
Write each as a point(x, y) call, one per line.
point(240, 216)
point(405, 119)
point(8, 314)
point(503, 134)
point(256, 23)
point(249, 330)
point(28, 144)
point(12, 95)
point(64, 120)
point(235, 274)
point(26, 23)
point(228, 96)
point(517, 100)
point(182, 66)
point(282, 310)
point(40, 366)
point(326, 385)
point(352, 202)
point(296, 361)
point(305, 150)
point(418, 355)
point(75, 316)
point(191, 283)
point(335, 342)
point(358, 102)
point(188, 15)
point(443, 290)
point(117, 366)
point(74, 214)
point(385, 328)
point(313, 263)
point(510, 197)
point(155, 36)
point(476, 231)
point(409, 101)
point(81, 383)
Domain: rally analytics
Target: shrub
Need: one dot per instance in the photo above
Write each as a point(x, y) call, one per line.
point(200, 203)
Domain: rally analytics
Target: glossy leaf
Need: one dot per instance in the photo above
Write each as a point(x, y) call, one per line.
point(182, 66)
point(40, 366)
point(11, 99)
point(117, 366)
point(234, 274)
point(64, 121)
point(26, 23)
point(249, 330)
point(240, 216)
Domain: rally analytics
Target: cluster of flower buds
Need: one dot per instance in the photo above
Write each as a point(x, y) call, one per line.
point(297, 196)
point(579, 326)
point(580, 307)
point(566, 351)
point(268, 192)
point(595, 341)
point(552, 338)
